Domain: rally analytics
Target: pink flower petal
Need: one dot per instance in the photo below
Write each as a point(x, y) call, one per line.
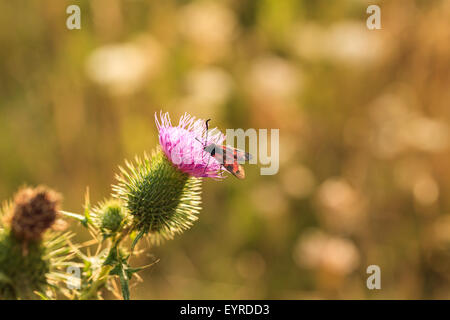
point(184, 145)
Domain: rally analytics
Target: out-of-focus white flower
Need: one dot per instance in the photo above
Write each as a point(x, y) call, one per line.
point(274, 77)
point(308, 41)
point(389, 113)
point(426, 190)
point(349, 43)
point(414, 176)
point(398, 128)
point(427, 134)
point(298, 181)
point(317, 250)
point(352, 43)
point(340, 205)
point(209, 25)
point(209, 86)
point(123, 68)
point(337, 195)
point(207, 89)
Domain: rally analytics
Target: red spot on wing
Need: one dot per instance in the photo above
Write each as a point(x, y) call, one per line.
point(230, 158)
point(235, 169)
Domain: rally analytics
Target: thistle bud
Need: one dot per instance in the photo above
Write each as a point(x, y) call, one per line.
point(110, 216)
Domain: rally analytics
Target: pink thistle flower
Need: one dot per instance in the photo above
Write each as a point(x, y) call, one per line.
point(184, 145)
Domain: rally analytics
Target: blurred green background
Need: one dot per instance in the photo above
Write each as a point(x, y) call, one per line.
point(364, 134)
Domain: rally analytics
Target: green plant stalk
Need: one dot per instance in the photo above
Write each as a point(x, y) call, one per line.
point(98, 284)
point(102, 278)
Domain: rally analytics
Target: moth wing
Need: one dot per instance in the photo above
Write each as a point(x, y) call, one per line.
point(233, 154)
point(243, 156)
point(235, 169)
point(227, 155)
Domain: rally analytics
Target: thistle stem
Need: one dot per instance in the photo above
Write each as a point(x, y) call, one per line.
point(98, 284)
point(102, 278)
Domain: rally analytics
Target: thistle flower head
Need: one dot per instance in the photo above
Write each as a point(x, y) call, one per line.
point(34, 211)
point(162, 193)
point(184, 145)
point(162, 199)
point(31, 261)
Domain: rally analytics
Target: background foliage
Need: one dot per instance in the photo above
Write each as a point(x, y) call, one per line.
point(363, 118)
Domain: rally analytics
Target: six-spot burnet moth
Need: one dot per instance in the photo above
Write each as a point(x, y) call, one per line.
point(230, 158)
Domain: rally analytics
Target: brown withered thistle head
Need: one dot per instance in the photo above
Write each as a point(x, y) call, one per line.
point(33, 212)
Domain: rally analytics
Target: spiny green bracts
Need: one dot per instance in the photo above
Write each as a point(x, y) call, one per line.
point(39, 270)
point(162, 199)
point(109, 216)
point(31, 262)
point(21, 273)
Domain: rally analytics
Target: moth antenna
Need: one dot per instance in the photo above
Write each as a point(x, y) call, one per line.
point(206, 141)
point(207, 129)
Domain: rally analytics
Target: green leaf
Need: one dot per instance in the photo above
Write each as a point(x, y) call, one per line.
point(124, 278)
point(112, 259)
point(136, 239)
point(124, 283)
